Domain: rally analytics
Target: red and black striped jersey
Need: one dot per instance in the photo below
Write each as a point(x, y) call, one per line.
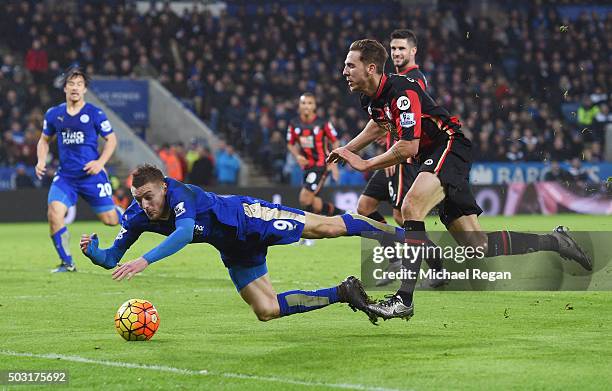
point(415, 73)
point(407, 112)
point(313, 138)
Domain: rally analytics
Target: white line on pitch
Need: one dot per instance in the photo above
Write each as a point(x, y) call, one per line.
point(191, 372)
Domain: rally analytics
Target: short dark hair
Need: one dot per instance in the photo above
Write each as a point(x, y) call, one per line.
point(308, 94)
point(372, 52)
point(73, 72)
point(406, 34)
point(146, 173)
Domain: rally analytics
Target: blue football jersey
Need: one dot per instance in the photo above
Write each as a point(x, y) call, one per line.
point(218, 220)
point(241, 228)
point(77, 136)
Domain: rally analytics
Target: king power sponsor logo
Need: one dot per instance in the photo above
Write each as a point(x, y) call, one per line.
point(70, 137)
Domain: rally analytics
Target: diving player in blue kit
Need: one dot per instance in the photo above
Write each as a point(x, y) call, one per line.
point(241, 228)
point(77, 125)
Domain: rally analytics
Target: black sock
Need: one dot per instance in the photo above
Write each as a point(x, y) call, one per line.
point(434, 263)
point(405, 295)
point(377, 217)
point(416, 236)
point(514, 243)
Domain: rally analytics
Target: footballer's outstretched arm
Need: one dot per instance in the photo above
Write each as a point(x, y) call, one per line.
point(106, 258)
point(109, 258)
point(182, 236)
point(398, 153)
point(371, 132)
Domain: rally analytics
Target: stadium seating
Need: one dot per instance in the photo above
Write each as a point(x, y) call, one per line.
point(515, 78)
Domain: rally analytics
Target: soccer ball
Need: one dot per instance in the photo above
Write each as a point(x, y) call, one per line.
point(136, 320)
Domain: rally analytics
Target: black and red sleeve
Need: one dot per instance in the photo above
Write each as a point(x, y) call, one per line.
point(330, 132)
point(291, 136)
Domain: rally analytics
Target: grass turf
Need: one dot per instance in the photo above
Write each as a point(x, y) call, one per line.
point(457, 340)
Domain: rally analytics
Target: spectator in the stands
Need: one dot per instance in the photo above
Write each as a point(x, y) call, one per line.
point(276, 153)
point(179, 151)
point(241, 65)
point(22, 179)
point(578, 173)
point(37, 61)
point(587, 112)
point(557, 174)
point(203, 170)
point(121, 197)
point(227, 166)
point(174, 168)
point(47, 179)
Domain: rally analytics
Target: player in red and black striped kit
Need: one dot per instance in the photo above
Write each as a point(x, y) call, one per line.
point(307, 139)
point(428, 133)
point(392, 183)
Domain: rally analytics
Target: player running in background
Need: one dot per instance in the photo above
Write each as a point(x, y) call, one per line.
point(241, 228)
point(427, 132)
point(77, 125)
point(391, 183)
point(307, 139)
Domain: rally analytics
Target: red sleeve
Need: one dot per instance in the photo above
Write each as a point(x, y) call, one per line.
point(291, 136)
point(422, 84)
point(330, 132)
point(406, 109)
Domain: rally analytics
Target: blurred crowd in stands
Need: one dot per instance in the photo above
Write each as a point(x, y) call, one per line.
point(527, 84)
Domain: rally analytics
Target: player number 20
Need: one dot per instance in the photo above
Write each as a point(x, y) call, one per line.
point(105, 189)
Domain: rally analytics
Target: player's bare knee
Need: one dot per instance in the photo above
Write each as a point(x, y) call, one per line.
point(365, 207)
point(416, 198)
point(266, 312)
point(473, 239)
point(55, 214)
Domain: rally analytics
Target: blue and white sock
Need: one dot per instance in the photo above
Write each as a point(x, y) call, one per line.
point(61, 240)
point(297, 301)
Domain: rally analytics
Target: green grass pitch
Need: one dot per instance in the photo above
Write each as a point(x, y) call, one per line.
point(209, 339)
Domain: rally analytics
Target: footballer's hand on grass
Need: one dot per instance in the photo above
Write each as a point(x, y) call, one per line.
point(93, 167)
point(130, 269)
point(88, 243)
